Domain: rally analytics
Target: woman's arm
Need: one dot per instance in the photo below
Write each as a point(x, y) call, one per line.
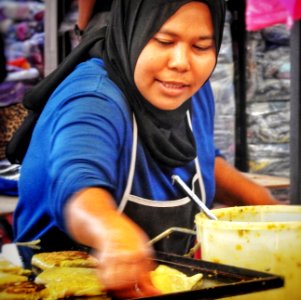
point(120, 245)
point(233, 188)
point(85, 9)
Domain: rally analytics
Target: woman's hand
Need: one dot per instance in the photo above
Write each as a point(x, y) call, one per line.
point(125, 256)
point(126, 259)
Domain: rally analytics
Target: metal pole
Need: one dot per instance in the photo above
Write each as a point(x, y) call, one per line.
point(238, 31)
point(295, 125)
point(51, 36)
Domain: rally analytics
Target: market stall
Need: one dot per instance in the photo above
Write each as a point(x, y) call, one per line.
point(257, 129)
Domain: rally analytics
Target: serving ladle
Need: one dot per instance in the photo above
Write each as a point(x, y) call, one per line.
point(194, 197)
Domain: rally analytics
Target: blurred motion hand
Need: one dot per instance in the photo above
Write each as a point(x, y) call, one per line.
point(126, 259)
point(121, 246)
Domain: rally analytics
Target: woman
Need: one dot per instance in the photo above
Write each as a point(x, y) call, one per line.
point(85, 10)
point(99, 166)
point(91, 13)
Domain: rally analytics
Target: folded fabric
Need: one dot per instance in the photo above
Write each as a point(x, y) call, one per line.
point(293, 7)
point(265, 13)
point(269, 159)
point(277, 35)
point(29, 48)
point(268, 66)
point(17, 10)
point(268, 122)
point(11, 118)
point(29, 74)
point(12, 92)
point(8, 187)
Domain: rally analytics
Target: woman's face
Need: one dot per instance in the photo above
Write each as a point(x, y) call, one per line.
point(179, 58)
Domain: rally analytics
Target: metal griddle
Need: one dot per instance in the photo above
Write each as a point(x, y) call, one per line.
point(219, 281)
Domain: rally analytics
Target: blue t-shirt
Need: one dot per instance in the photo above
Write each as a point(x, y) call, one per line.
point(83, 138)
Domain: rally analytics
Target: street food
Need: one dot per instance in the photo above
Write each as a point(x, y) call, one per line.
point(25, 290)
point(8, 267)
point(46, 260)
point(65, 274)
point(170, 280)
point(63, 282)
point(7, 278)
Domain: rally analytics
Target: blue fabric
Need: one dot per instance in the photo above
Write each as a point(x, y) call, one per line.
point(84, 138)
point(8, 187)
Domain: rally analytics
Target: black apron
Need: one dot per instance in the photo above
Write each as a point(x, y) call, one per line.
point(154, 217)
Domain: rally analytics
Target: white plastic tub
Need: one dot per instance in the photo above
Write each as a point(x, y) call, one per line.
point(263, 238)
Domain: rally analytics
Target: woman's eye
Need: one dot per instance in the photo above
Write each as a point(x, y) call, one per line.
point(202, 48)
point(163, 42)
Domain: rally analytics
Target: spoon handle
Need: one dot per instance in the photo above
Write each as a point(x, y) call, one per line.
point(194, 197)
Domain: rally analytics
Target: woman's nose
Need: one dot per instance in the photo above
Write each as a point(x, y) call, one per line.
point(179, 58)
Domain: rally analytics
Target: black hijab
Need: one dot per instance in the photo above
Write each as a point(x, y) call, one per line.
point(165, 134)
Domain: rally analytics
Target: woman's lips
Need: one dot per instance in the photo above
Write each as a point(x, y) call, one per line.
point(172, 88)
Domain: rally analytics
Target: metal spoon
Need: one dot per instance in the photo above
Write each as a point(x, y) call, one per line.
point(194, 197)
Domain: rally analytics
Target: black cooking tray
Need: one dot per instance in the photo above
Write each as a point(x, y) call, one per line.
point(219, 281)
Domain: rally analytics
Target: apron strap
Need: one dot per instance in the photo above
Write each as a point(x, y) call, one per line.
point(128, 187)
point(198, 166)
point(132, 167)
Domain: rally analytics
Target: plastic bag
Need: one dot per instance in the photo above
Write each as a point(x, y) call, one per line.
point(293, 7)
point(265, 13)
